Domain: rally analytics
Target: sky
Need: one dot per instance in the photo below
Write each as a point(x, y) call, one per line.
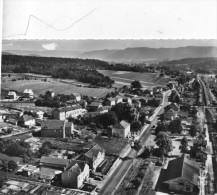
point(109, 19)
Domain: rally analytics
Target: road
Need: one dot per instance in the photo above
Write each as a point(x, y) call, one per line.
point(114, 181)
point(211, 156)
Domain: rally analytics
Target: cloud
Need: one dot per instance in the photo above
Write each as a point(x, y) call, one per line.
point(49, 46)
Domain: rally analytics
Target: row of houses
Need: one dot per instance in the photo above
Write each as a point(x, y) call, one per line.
point(62, 129)
point(75, 172)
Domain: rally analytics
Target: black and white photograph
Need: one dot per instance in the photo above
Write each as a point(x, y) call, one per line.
point(108, 97)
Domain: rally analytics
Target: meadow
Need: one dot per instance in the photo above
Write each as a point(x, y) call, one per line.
point(146, 79)
point(40, 87)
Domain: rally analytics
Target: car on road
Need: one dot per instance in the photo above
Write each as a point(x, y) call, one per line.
point(98, 189)
point(98, 178)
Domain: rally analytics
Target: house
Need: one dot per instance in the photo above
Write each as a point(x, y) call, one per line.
point(29, 93)
point(182, 175)
point(170, 114)
point(1, 118)
point(57, 128)
point(75, 174)
point(13, 119)
point(12, 94)
point(93, 157)
point(76, 96)
point(94, 106)
point(50, 93)
point(110, 101)
point(51, 192)
point(174, 106)
point(71, 102)
point(66, 112)
point(127, 100)
point(26, 120)
point(173, 83)
point(118, 99)
point(40, 114)
point(52, 162)
point(121, 129)
point(136, 102)
point(28, 170)
point(104, 109)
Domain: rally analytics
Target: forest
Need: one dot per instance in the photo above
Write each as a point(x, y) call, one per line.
point(65, 68)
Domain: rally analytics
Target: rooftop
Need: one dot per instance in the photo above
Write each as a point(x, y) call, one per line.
point(185, 168)
point(53, 124)
point(52, 160)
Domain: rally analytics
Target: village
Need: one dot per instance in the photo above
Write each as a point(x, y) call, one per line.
point(75, 144)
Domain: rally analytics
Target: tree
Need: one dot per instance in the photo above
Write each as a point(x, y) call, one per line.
point(175, 126)
point(136, 182)
point(184, 145)
point(137, 145)
point(136, 84)
point(161, 126)
point(164, 143)
point(12, 165)
point(193, 130)
point(124, 112)
point(142, 118)
point(44, 150)
point(2, 146)
point(136, 126)
point(107, 119)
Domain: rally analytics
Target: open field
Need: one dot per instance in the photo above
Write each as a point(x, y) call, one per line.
point(40, 87)
point(148, 79)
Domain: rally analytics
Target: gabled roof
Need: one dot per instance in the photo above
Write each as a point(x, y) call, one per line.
point(76, 94)
point(174, 106)
point(122, 125)
point(53, 124)
point(94, 151)
point(95, 104)
point(111, 99)
point(185, 168)
point(26, 118)
point(118, 97)
point(53, 160)
point(69, 108)
point(76, 166)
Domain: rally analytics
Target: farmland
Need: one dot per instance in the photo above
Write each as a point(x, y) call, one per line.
point(146, 79)
point(40, 87)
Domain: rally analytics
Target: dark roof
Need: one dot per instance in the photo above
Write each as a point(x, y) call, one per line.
point(26, 118)
point(68, 124)
point(185, 168)
point(76, 166)
point(70, 108)
point(111, 99)
point(122, 124)
point(53, 160)
point(95, 104)
point(53, 124)
point(94, 151)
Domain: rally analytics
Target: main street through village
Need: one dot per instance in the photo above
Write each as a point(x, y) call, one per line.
point(115, 179)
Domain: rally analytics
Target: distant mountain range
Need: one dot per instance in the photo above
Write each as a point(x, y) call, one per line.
point(136, 54)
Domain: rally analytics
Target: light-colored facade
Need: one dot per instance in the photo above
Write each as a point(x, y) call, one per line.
point(121, 129)
point(93, 157)
point(75, 174)
point(29, 92)
point(77, 97)
point(64, 113)
point(57, 128)
point(12, 95)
